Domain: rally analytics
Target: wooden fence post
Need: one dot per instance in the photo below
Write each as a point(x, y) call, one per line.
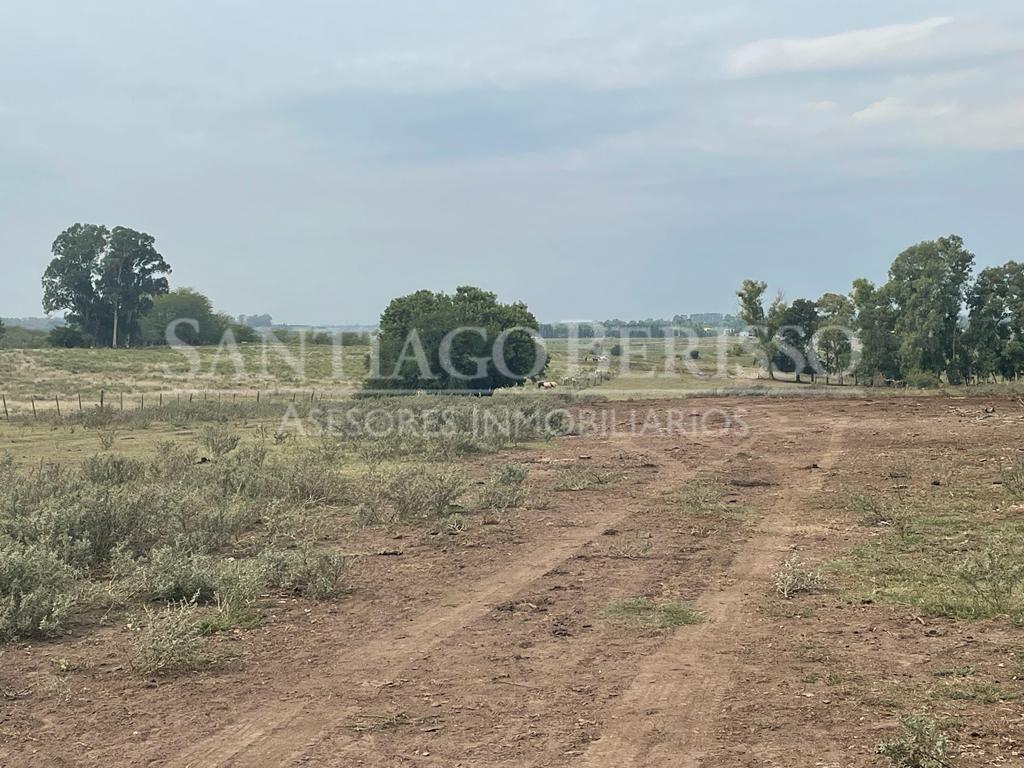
point(101, 399)
point(56, 399)
point(122, 401)
point(142, 403)
point(79, 402)
point(6, 414)
point(34, 406)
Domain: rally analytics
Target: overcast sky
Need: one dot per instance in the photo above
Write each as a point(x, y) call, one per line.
point(595, 158)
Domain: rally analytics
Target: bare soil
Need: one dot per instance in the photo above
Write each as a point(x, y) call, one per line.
point(491, 647)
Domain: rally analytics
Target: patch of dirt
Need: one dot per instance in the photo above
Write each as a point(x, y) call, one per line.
point(492, 648)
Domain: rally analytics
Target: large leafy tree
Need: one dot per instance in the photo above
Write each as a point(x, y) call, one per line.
point(832, 342)
point(764, 324)
point(927, 286)
point(131, 274)
point(994, 340)
point(105, 280)
point(204, 326)
point(989, 330)
point(437, 341)
point(875, 322)
point(69, 282)
point(794, 352)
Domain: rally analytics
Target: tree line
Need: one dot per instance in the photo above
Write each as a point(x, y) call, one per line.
point(689, 326)
point(929, 322)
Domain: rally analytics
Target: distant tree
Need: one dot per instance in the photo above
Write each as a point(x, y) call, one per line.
point(763, 324)
point(993, 339)
point(104, 279)
point(203, 326)
point(244, 334)
point(16, 337)
point(69, 282)
point(875, 323)
point(355, 338)
point(928, 285)
point(66, 337)
point(132, 273)
point(794, 352)
point(832, 342)
point(3, 330)
point(256, 321)
point(416, 337)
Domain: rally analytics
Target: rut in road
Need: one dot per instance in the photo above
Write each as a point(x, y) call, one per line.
point(668, 715)
point(283, 732)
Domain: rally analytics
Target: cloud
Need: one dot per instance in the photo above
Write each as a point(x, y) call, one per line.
point(533, 43)
point(995, 127)
point(893, 109)
point(858, 48)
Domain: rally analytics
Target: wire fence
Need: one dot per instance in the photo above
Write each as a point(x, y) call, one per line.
point(63, 405)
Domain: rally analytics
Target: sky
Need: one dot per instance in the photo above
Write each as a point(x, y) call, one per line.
point(593, 158)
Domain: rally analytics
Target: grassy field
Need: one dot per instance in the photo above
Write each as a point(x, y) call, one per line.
point(147, 377)
point(46, 373)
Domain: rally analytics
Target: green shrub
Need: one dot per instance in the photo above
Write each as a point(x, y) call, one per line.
point(66, 337)
point(172, 463)
point(577, 478)
point(83, 527)
point(917, 379)
point(994, 577)
point(169, 574)
point(408, 493)
point(306, 481)
point(218, 440)
point(922, 744)
point(112, 470)
point(1013, 480)
point(37, 590)
point(795, 578)
point(108, 436)
point(239, 583)
point(241, 472)
point(166, 640)
point(311, 573)
point(505, 488)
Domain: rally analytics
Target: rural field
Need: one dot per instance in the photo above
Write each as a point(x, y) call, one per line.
point(148, 377)
point(511, 385)
point(703, 581)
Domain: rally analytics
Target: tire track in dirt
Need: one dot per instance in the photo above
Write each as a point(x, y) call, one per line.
point(273, 732)
point(281, 732)
point(668, 715)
